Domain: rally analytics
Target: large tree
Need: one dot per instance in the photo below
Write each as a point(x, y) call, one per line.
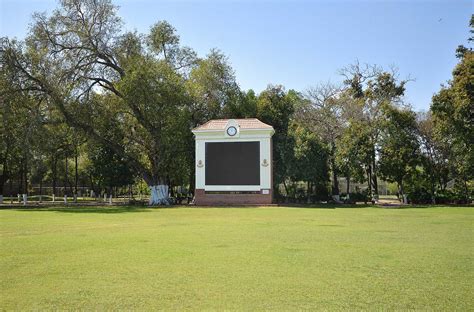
point(453, 117)
point(398, 147)
point(371, 88)
point(20, 127)
point(434, 154)
point(102, 80)
point(310, 163)
point(322, 113)
point(353, 152)
point(275, 106)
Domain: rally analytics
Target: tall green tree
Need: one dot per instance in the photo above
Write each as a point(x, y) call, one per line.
point(310, 163)
point(435, 154)
point(275, 106)
point(93, 74)
point(20, 126)
point(398, 148)
point(108, 169)
point(322, 112)
point(453, 116)
point(371, 88)
point(353, 152)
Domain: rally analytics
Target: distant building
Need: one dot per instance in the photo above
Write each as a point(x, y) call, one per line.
point(233, 162)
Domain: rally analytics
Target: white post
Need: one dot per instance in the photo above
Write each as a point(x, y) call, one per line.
point(41, 198)
point(405, 199)
point(25, 199)
point(54, 198)
point(105, 197)
point(19, 199)
point(110, 199)
point(65, 199)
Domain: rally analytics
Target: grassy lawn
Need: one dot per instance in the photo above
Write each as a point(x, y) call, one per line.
point(237, 258)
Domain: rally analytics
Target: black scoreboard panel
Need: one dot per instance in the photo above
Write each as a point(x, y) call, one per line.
point(233, 163)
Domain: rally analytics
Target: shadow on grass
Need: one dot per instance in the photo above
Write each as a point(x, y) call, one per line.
point(132, 209)
point(88, 209)
point(375, 206)
point(428, 206)
point(326, 206)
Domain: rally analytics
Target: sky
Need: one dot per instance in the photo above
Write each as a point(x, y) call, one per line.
point(300, 43)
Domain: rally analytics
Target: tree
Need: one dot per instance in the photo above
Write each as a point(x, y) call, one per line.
point(462, 50)
point(213, 93)
point(212, 87)
point(244, 107)
point(108, 168)
point(20, 124)
point(434, 154)
point(275, 106)
point(453, 117)
point(372, 88)
point(399, 148)
point(353, 152)
point(310, 163)
point(92, 74)
point(322, 112)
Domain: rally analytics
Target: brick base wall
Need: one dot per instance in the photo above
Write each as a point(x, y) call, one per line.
point(203, 199)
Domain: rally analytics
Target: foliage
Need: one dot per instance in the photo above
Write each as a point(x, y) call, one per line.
point(355, 197)
point(452, 109)
point(399, 149)
point(369, 89)
point(322, 113)
point(108, 169)
point(310, 159)
point(275, 106)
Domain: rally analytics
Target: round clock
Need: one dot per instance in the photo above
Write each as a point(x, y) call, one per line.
point(231, 131)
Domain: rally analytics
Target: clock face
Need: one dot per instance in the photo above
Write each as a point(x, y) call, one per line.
point(231, 131)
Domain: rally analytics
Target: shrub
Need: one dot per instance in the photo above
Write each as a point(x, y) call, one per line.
point(362, 196)
point(419, 195)
point(451, 197)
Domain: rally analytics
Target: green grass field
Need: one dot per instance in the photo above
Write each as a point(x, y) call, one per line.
point(237, 258)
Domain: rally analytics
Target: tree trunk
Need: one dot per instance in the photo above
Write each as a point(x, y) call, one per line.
point(41, 190)
point(191, 184)
point(286, 191)
point(26, 175)
point(433, 187)
point(170, 185)
point(55, 172)
point(159, 195)
point(374, 178)
point(3, 179)
point(11, 189)
point(20, 184)
point(335, 182)
point(369, 179)
point(348, 187)
point(75, 175)
point(402, 193)
point(66, 177)
point(2, 183)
